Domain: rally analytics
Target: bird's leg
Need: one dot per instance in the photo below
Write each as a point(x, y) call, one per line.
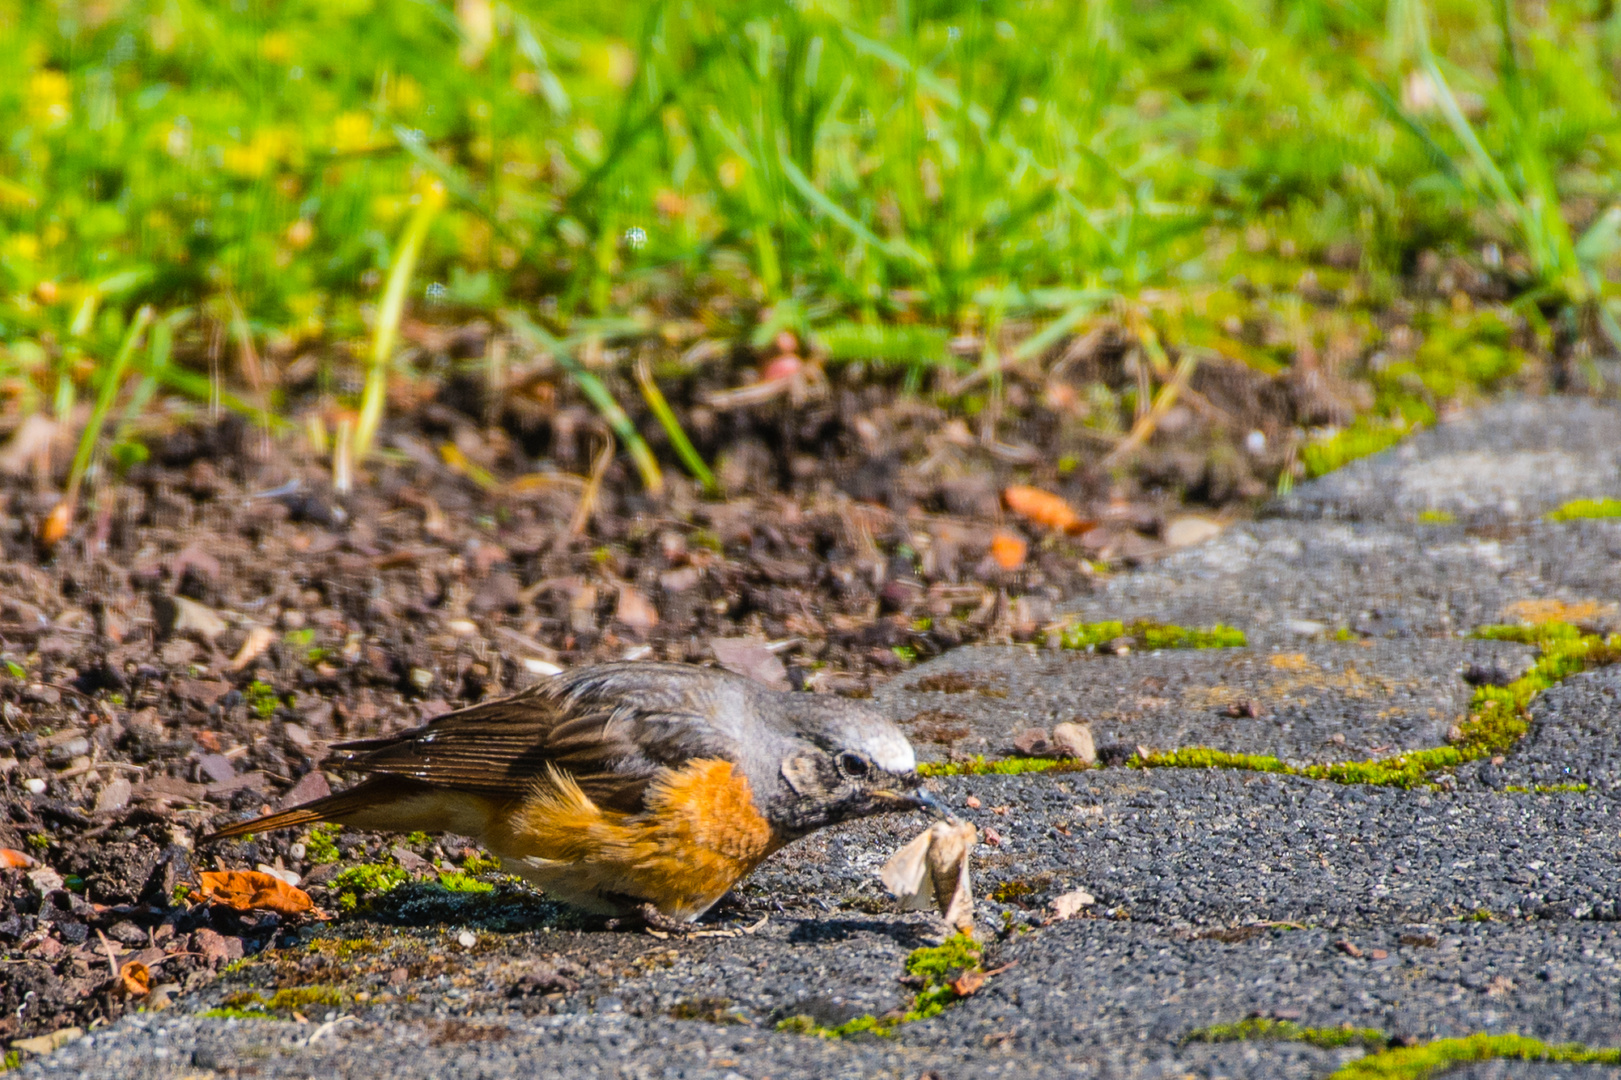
point(647, 916)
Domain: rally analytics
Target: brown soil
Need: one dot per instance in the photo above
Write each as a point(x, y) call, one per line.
point(854, 537)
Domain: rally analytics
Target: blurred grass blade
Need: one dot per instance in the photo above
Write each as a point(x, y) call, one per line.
point(599, 395)
point(159, 349)
point(60, 519)
point(899, 249)
point(672, 427)
point(1053, 332)
point(385, 333)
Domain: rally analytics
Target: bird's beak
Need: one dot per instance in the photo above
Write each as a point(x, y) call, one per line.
point(926, 800)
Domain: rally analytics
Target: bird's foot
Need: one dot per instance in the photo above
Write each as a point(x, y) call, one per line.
point(648, 917)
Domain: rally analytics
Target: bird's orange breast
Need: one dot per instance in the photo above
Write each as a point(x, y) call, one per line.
point(698, 834)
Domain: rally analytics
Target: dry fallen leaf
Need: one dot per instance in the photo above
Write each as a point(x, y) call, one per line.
point(56, 524)
point(635, 610)
point(258, 640)
point(135, 978)
point(12, 859)
point(751, 659)
point(251, 890)
point(1075, 741)
point(199, 619)
point(1008, 550)
point(1070, 904)
point(932, 871)
point(968, 982)
point(1044, 508)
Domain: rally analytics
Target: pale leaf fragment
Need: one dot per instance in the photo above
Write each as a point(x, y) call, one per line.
point(258, 640)
point(1070, 904)
point(933, 871)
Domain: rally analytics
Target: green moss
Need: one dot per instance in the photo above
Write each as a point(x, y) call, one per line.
point(1009, 891)
point(226, 1013)
point(1580, 509)
point(1436, 517)
point(344, 949)
point(1345, 633)
point(1498, 718)
point(302, 997)
point(1528, 633)
point(1150, 635)
point(1288, 1031)
point(321, 848)
point(12, 1060)
point(262, 699)
point(1367, 435)
point(360, 884)
point(1546, 789)
point(1010, 766)
point(457, 881)
point(937, 966)
point(39, 841)
point(1427, 1059)
point(481, 864)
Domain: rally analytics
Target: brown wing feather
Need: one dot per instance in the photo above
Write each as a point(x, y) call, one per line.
point(612, 728)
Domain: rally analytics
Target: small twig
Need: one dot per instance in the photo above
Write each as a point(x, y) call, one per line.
point(1146, 423)
point(588, 497)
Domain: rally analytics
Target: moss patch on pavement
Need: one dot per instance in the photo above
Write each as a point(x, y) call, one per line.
point(1585, 509)
point(1261, 1028)
point(979, 765)
point(942, 968)
point(1499, 716)
point(1149, 635)
point(1428, 1059)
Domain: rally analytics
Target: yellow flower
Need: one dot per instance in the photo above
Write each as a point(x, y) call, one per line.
point(276, 47)
point(351, 132)
point(49, 94)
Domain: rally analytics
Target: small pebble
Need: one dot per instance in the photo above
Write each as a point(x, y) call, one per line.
point(35, 785)
point(466, 939)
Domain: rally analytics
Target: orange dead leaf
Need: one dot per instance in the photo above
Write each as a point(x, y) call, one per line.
point(1008, 549)
point(253, 890)
point(136, 978)
point(968, 982)
point(56, 524)
point(12, 859)
point(1044, 508)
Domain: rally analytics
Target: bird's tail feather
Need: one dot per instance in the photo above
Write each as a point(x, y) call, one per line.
point(328, 808)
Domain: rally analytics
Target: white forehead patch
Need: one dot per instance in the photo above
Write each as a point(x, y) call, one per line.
point(890, 751)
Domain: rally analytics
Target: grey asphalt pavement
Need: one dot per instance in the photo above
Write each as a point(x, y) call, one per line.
point(1485, 906)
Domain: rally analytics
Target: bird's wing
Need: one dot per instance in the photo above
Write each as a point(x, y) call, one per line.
point(612, 728)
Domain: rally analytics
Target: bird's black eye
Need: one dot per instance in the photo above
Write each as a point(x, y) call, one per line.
point(854, 765)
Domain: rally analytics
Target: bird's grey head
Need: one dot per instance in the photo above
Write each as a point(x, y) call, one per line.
point(848, 761)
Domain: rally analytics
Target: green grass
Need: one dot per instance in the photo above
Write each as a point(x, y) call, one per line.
point(266, 180)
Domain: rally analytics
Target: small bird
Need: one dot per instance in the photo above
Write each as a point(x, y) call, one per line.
point(628, 789)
